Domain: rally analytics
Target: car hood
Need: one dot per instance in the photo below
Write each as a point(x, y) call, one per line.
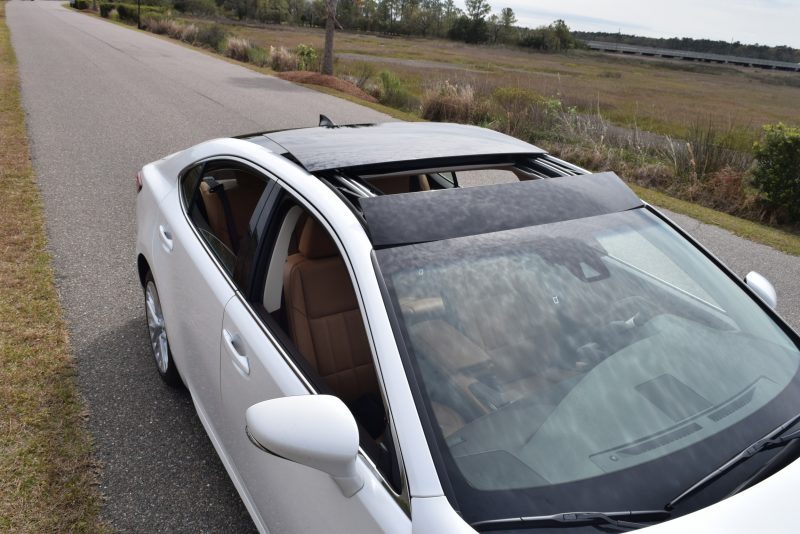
point(769, 506)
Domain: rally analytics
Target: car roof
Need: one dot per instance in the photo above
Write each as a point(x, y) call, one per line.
point(364, 145)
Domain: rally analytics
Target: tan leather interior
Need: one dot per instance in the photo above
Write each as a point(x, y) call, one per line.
point(451, 349)
point(323, 314)
point(447, 418)
point(216, 215)
point(394, 185)
point(487, 335)
point(242, 192)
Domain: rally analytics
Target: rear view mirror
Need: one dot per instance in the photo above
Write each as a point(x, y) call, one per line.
point(317, 431)
point(762, 287)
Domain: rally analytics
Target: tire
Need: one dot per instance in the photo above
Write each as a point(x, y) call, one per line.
point(157, 333)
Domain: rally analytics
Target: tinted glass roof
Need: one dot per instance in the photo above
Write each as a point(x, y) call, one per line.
point(437, 215)
point(326, 148)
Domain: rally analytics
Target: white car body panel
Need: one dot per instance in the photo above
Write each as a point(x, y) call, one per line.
point(286, 497)
point(767, 507)
point(193, 296)
point(282, 487)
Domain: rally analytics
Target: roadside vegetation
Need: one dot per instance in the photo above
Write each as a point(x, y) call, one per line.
point(691, 131)
point(47, 479)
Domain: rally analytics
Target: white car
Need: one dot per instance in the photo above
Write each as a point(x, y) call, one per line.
point(372, 346)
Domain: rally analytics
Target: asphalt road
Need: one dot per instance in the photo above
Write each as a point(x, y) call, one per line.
point(101, 101)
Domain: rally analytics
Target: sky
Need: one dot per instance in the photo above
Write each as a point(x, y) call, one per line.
point(770, 22)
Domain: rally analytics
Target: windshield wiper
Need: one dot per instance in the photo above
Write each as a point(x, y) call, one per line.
point(773, 440)
point(628, 520)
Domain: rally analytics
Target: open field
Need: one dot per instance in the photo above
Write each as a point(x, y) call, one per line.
point(46, 470)
point(655, 95)
point(705, 158)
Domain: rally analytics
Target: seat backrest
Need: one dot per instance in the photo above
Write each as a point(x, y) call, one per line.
point(323, 314)
point(216, 214)
point(242, 193)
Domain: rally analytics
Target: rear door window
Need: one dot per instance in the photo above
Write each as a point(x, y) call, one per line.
point(223, 200)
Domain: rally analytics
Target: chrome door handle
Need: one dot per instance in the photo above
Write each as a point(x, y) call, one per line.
point(240, 359)
point(166, 237)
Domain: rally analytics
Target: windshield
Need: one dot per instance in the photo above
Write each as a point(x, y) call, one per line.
point(602, 363)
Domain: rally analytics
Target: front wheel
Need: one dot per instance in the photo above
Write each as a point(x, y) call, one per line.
point(157, 329)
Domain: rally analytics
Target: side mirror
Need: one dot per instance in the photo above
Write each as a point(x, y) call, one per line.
point(313, 430)
point(763, 288)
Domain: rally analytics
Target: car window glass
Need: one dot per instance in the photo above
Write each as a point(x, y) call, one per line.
point(310, 298)
point(189, 183)
point(224, 201)
point(557, 362)
point(486, 177)
point(637, 251)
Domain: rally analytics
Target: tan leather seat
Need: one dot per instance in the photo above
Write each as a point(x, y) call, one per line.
point(242, 192)
point(394, 185)
point(216, 214)
point(324, 318)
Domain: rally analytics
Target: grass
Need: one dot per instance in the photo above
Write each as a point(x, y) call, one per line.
point(773, 237)
point(47, 475)
point(655, 95)
point(612, 69)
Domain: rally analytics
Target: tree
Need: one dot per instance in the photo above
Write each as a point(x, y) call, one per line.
point(494, 28)
point(330, 29)
point(508, 17)
point(478, 9)
point(504, 31)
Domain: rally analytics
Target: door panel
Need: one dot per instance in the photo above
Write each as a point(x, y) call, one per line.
point(290, 497)
point(193, 294)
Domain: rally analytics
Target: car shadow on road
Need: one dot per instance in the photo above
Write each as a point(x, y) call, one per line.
point(160, 471)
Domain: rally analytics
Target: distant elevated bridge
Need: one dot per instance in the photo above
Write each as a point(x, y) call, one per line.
point(692, 56)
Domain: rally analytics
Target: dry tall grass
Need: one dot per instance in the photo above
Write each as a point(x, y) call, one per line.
point(281, 59)
point(237, 48)
point(450, 102)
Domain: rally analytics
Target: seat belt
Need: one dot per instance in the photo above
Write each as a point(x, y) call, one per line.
point(219, 189)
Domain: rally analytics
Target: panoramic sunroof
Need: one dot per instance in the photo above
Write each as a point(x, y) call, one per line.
point(320, 149)
point(422, 217)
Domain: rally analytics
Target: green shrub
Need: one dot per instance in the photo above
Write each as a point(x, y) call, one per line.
point(394, 94)
point(556, 37)
point(307, 57)
point(362, 72)
point(777, 170)
point(105, 9)
point(258, 56)
point(212, 36)
point(129, 12)
point(196, 7)
point(81, 4)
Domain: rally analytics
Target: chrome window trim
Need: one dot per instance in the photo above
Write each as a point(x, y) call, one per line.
point(403, 499)
point(432, 170)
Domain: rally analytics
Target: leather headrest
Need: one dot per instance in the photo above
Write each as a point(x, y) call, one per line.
point(315, 243)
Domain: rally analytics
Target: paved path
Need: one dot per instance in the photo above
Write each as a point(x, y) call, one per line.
point(743, 256)
point(101, 101)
